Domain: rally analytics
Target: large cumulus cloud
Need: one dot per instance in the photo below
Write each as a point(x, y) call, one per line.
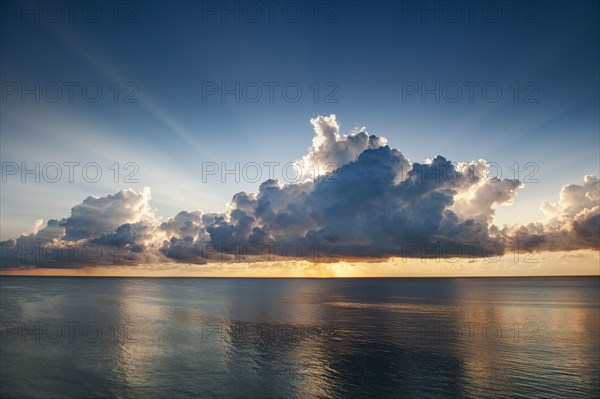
point(374, 202)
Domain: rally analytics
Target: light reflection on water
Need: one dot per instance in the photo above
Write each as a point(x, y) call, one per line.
point(300, 338)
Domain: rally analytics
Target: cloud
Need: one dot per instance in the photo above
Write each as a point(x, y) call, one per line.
point(331, 150)
point(374, 202)
point(96, 215)
point(37, 225)
point(572, 223)
point(98, 231)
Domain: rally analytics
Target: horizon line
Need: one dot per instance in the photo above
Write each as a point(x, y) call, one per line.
point(304, 278)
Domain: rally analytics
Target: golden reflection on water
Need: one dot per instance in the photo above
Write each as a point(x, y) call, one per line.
point(322, 338)
point(544, 335)
point(133, 357)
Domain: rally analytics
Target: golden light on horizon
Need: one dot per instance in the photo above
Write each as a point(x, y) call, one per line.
point(581, 262)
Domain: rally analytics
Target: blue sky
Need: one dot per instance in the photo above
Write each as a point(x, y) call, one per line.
point(369, 53)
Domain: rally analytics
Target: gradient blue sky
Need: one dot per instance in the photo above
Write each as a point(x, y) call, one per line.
point(368, 51)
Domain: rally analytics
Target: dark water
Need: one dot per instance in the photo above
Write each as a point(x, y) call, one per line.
point(285, 338)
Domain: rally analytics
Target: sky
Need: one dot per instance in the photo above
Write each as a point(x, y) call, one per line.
point(148, 107)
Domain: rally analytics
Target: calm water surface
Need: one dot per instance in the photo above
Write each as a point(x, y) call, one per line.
point(309, 338)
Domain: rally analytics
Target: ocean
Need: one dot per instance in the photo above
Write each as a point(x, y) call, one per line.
point(92, 337)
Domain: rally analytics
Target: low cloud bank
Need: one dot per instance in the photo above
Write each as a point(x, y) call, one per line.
point(375, 203)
